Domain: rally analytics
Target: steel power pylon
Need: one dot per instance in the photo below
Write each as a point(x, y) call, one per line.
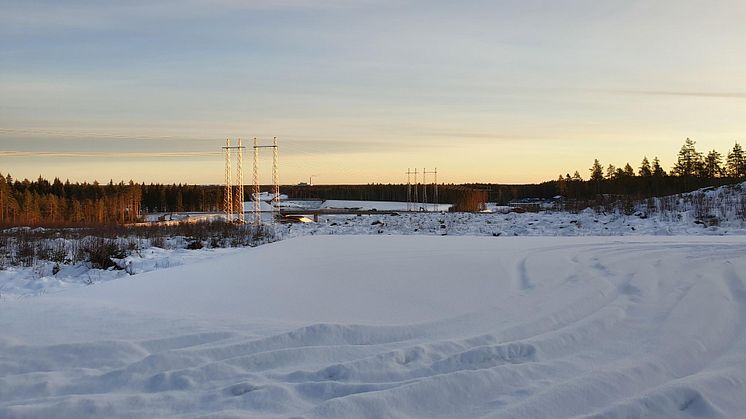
point(233, 204)
point(238, 200)
point(435, 188)
point(416, 186)
point(275, 181)
point(255, 193)
point(413, 201)
point(409, 188)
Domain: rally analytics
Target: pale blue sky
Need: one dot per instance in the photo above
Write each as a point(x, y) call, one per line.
point(358, 91)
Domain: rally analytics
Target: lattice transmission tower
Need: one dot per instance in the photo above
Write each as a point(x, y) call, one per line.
point(275, 177)
point(413, 190)
point(233, 197)
point(409, 189)
point(228, 194)
point(275, 201)
point(239, 198)
point(435, 188)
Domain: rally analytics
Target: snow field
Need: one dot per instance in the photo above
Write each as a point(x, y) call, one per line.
point(396, 326)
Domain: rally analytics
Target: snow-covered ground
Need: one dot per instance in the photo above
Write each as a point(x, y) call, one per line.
point(585, 223)
point(17, 282)
point(395, 326)
point(638, 315)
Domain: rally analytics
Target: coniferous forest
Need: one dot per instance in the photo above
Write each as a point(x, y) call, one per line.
point(57, 203)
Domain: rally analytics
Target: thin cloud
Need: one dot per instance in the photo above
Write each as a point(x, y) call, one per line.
point(727, 95)
point(107, 154)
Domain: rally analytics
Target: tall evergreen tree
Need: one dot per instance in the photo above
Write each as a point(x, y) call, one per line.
point(561, 185)
point(645, 170)
point(628, 171)
point(597, 171)
point(611, 172)
point(713, 165)
point(4, 198)
point(736, 164)
point(689, 161)
point(657, 168)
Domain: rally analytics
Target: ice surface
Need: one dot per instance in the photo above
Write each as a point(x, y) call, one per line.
point(382, 205)
point(395, 326)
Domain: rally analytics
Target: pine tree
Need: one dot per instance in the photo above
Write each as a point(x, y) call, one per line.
point(561, 185)
point(30, 207)
point(689, 161)
point(657, 168)
point(611, 172)
point(736, 164)
point(597, 171)
point(4, 195)
point(628, 171)
point(712, 167)
point(645, 170)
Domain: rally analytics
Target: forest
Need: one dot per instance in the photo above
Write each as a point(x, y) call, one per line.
point(57, 203)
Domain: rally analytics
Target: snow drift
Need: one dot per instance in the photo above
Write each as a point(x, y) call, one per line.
point(395, 326)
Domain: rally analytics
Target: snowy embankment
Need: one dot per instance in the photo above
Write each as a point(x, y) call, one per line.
point(18, 282)
point(395, 326)
point(585, 223)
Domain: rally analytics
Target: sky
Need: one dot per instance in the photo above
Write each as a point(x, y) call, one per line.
point(360, 91)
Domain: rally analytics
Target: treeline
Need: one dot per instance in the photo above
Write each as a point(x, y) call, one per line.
point(42, 202)
point(55, 203)
point(692, 170)
point(178, 198)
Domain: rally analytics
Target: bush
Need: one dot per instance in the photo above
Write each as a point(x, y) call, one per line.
point(100, 252)
point(101, 246)
point(58, 252)
point(25, 253)
point(194, 245)
point(158, 241)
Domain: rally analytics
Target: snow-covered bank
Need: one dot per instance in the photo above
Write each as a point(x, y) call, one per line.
point(48, 277)
point(394, 326)
point(585, 223)
point(17, 282)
